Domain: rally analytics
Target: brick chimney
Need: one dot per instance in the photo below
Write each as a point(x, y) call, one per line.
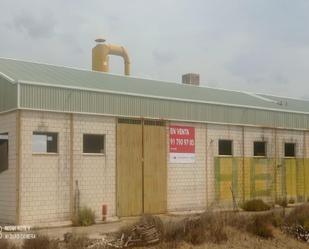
point(191, 79)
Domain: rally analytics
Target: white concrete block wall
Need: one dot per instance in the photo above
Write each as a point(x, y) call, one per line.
point(290, 136)
point(96, 174)
point(251, 134)
point(214, 134)
point(8, 177)
point(186, 182)
point(306, 137)
point(255, 134)
point(45, 184)
point(44, 177)
point(283, 136)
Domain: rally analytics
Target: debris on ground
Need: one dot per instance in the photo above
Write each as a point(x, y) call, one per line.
point(140, 235)
point(67, 237)
point(97, 244)
point(298, 231)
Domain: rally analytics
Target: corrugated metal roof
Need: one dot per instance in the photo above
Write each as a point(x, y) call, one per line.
point(8, 95)
point(44, 74)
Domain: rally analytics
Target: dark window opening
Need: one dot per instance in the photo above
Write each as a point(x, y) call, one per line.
point(289, 150)
point(4, 152)
point(225, 147)
point(93, 143)
point(259, 149)
point(44, 142)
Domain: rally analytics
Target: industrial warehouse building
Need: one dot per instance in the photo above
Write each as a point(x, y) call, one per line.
point(140, 146)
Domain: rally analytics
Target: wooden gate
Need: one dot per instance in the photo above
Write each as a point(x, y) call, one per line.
point(141, 167)
point(155, 170)
point(129, 168)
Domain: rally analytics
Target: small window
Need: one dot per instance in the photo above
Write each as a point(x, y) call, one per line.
point(93, 143)
point(289, 150)
point(4, 152)
point(44, 142)
point(225, 147)
point(259, 149)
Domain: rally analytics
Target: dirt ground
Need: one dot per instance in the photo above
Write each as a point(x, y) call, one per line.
point(238, 240)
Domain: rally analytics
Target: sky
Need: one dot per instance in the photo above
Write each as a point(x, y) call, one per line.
point(248, 45)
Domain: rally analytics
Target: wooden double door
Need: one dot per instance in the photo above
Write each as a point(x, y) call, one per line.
point(141, 167)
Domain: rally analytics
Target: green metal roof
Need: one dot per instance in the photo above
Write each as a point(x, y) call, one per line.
point(64, 89)
point(76, 78)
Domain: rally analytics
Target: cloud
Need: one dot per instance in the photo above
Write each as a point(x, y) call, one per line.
point(306, 97)
point(283, 21)
point(250, 45)
point(163, 56)
point(259, 65)
point(42, 26)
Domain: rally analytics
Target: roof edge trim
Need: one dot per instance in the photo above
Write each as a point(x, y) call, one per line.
point(279, 96)
point(261, 97)
point(10, 110)
point(8, 78)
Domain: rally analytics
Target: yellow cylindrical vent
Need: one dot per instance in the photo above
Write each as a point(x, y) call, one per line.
point(100, 56)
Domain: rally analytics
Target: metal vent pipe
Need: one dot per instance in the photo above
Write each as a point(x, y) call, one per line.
point(100, 56)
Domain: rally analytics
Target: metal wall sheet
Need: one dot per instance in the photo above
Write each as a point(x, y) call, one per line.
point(81, 101)
point(8, 95)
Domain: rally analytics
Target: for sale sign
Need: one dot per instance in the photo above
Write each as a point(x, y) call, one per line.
point(182, 144)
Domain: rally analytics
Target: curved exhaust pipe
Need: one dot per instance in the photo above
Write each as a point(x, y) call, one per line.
point(100, 56)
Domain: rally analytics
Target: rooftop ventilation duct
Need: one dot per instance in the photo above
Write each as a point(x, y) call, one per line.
point(100, 56)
